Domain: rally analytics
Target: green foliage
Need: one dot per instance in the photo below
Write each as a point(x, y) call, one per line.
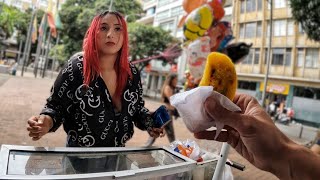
point(58, 53)
point(10, 18)
point(307, 13)
point(130, 8)
point(22, 23)
point(146, 41)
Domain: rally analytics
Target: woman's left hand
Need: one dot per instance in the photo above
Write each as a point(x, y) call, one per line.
point(156, 132)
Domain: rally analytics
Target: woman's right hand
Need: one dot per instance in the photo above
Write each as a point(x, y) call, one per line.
point(38, 126)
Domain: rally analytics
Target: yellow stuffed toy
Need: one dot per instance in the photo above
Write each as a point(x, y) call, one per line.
point(198, 22)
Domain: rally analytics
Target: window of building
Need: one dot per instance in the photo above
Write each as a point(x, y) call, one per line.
point(300, 57)
point(242, 6)
point(288, 57)
point(278, 56)
point(289, 7)
point(150, 11)
point(241, 33)
point(250, 30)
point(290, 28)
point(301, 31)
point(163, 15)
point(312, 58)
point(259, 2)
point(44, 2)
point(17, 3)
point(176, 11)
point(247, 85)
point(256, 56)
point(179, 32)
point(279, 3)
point(168, 26)
point(306, 92)
point(259, 29)
point(162, 2)
point(280, 27)
point(248, 59)
point(228, 10)
point(250, 5)
point(266, 56)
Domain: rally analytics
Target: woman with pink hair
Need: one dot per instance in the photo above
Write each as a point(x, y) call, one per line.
point(98, 94)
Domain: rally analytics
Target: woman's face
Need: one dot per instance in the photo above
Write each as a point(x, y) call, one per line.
point(110, 35)
point(174, 82)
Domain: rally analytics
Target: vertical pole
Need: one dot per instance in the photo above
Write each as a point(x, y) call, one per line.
point(43, 51)
point(221, 162)
point(36, 61)
point(47, 49)
point(110, 7)
point(55, 54)
point(269, 56)
point(20, 49)
point(28, 42)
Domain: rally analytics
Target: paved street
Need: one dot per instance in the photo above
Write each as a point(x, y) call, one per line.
point(22, 97)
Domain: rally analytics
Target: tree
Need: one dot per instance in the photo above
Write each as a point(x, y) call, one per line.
point(146, 41)
point(130, 8)
point(10, 18)
point(58, 52)
point(76, 16)
point(307, 14)
point(13, 19)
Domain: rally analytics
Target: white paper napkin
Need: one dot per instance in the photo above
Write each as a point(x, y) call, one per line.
point(190, 105)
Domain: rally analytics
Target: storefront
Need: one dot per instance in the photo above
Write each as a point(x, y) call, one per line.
point(277, 92)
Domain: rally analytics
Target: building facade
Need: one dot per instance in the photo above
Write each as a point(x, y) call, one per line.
point(167, 14)
point(26, 4)
point(294, 74)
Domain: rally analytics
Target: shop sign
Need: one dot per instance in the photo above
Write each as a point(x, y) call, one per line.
point(276, 88)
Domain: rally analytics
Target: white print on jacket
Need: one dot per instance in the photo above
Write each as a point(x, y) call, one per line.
point(72, 135)
point(93, 101)
point(107, 94)
point(87, 141)
point(132, 98)
point(125, 138)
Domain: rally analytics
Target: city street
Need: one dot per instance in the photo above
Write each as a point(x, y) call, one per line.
point(269, 50)
point(22, 97)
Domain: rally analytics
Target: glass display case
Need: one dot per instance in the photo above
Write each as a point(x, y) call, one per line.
point(24, 162)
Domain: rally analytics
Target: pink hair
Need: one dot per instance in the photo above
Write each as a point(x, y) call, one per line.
point(91, 68)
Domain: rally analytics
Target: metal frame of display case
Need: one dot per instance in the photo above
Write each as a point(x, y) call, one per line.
point(143, 173)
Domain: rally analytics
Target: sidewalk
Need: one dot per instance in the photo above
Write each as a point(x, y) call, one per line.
point(29, 73)
point(22, 97)
point(300, 134)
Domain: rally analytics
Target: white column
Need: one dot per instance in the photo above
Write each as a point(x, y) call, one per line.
point(159, 87)
point(152, 87)
point(182, 64)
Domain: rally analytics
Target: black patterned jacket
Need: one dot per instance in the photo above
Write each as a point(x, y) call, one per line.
point(88, 115)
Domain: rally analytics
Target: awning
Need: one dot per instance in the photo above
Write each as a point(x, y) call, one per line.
point(276, 88)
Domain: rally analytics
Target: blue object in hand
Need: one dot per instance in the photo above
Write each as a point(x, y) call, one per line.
point(161, 117)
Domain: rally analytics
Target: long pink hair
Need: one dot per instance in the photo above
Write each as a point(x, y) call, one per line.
point(91, 68)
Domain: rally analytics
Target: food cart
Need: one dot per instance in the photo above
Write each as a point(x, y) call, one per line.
point(27, 162)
